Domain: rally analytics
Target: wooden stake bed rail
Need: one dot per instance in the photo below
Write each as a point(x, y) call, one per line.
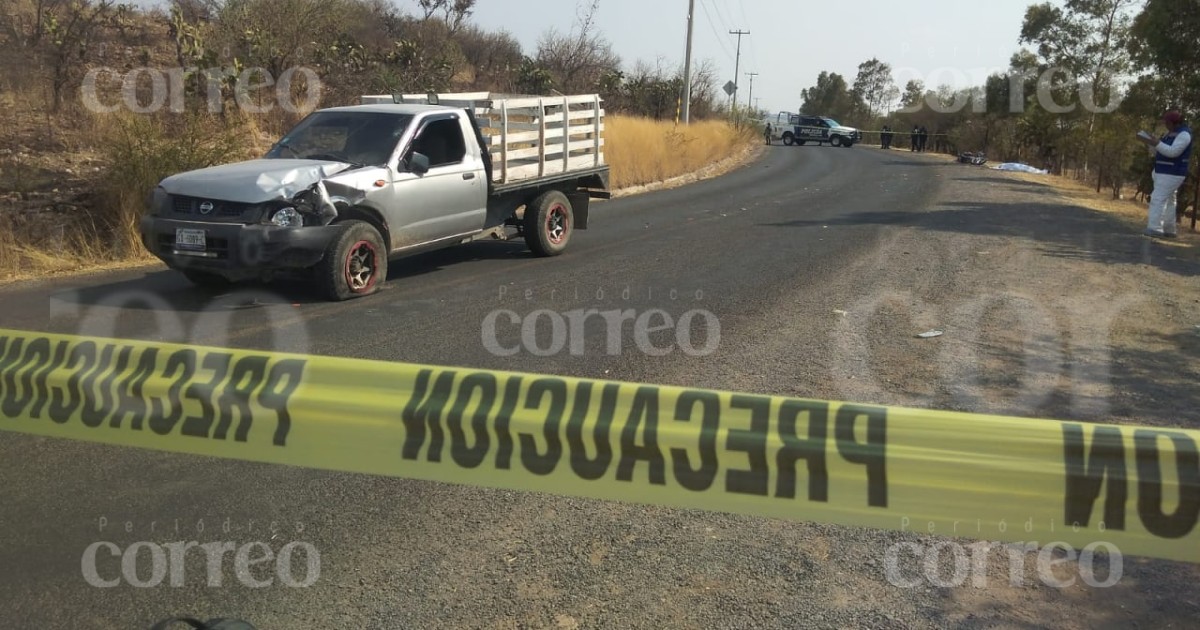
point(529, 136)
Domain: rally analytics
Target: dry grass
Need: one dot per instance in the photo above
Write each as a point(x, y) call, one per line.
point(643, 151)
point(1085, 195)
point(10, 253)
point(72, 247)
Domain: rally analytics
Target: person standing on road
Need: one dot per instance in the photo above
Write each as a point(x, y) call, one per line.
point(916, 131)
point(922, 138)
point(885, 137)
point(1173, 152)
point(768, 132)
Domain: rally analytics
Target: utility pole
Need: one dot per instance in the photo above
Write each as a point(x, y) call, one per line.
point(750, 98)
point(687, 65)
point(736, 68)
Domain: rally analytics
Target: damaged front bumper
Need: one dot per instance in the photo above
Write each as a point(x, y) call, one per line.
point(243, 240)
point(236, 251)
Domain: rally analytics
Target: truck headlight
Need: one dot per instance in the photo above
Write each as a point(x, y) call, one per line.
point(287, 217)
point(156, 201)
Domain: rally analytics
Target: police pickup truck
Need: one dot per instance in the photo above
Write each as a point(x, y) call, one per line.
point(350, 188)
point(800, 129)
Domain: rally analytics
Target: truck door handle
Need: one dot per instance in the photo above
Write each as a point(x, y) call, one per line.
point(468, 175)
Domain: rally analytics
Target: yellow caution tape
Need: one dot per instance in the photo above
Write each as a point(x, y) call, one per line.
point(953, 474)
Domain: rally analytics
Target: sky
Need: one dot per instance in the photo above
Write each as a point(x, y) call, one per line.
point(956, 42)
point(953, 42)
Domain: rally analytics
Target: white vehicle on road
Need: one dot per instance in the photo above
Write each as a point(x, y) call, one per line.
point(793, 129)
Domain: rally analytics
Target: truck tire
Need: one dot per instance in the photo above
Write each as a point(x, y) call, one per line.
point(788, 138)
point(549, 221)
point(836, 141)
point(355, 263)
point(206, 280)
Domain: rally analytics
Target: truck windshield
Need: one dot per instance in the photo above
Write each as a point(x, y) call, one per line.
point(829, 122)
point(367, 138)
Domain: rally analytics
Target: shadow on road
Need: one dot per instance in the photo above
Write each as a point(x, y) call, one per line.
point(1060, 229)
point(170, 291)
point(915, 163)
point(430, 262)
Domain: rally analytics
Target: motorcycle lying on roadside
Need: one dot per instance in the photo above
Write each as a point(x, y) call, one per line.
point(974, 159)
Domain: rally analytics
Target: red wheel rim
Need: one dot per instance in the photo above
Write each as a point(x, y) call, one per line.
point(361, 267)
point(557, 224)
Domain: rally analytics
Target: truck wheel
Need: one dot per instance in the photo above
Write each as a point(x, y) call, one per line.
point(355, 263)
point(788, 139)
point(802, 142)
point(836, 141)
point(548, 224)
point(207, 280)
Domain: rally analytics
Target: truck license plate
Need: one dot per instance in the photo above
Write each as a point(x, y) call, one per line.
point(190, 239)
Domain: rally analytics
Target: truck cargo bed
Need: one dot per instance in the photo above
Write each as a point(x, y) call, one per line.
point(530, 138)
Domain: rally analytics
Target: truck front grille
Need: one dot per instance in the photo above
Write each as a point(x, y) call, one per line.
point(191, 206)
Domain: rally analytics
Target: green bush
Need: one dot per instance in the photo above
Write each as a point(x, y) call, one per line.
point(140, 151)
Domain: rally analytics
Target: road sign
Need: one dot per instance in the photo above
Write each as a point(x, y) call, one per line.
point(729, 88)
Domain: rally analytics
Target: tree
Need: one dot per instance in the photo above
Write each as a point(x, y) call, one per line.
point(454, 12)
point(1165, 37)
point(274, 34)
point(533, 78)
point(1089, 40)
point(492, 58)
point(874, 87)
point(1087, 37)
point(655, 91)
point(913, 97)
point(579, 59)
point(829, 97)
point(66, 31)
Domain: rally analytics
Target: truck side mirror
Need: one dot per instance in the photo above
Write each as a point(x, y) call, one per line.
point(418, 163)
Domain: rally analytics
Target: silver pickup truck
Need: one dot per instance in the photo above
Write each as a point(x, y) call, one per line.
point(351, 188)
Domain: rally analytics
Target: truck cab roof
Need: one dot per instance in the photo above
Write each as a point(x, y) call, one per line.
point(410, 109)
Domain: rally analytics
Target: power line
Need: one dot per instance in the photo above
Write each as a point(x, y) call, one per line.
point(721, 14)
point(711, 26)
point(746, 21)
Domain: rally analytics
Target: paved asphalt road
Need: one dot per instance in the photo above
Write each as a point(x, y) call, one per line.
point(396, 553)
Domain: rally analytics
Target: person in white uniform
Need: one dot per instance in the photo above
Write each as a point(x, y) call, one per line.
point(1173, 153)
